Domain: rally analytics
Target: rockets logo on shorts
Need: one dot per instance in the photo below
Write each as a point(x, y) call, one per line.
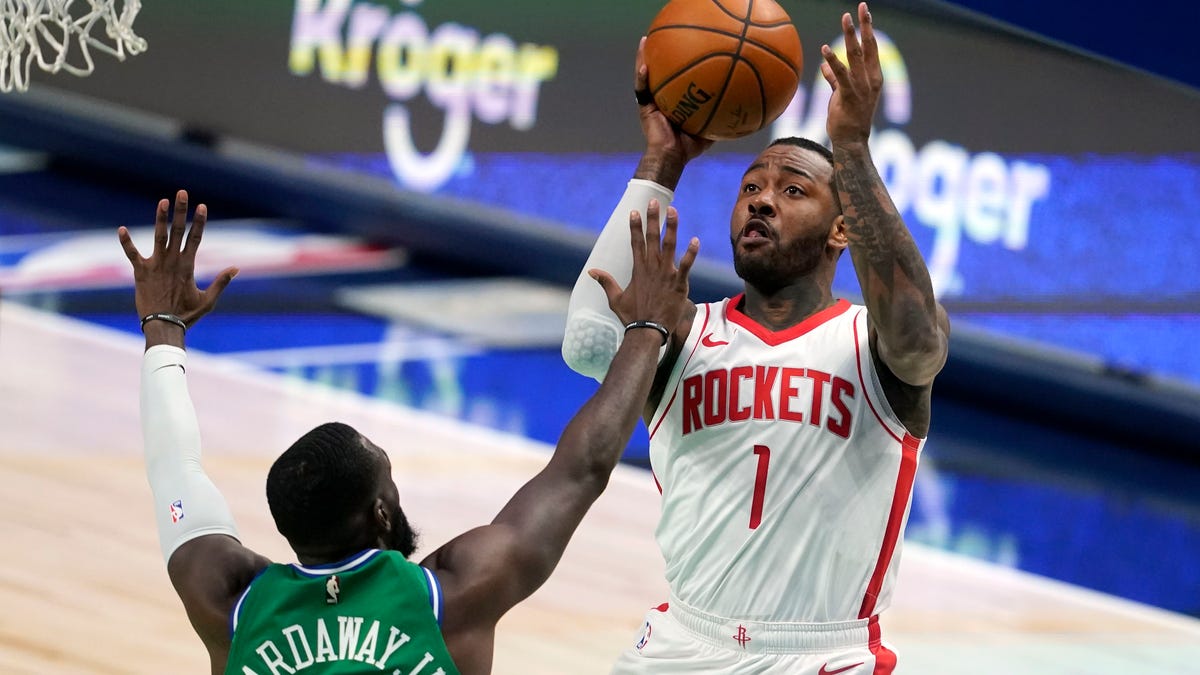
point(741, 637)
point(176, 510)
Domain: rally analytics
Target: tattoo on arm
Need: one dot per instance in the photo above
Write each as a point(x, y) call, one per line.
point(890, 268)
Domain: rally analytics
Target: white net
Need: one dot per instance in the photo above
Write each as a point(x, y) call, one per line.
point(59, 35)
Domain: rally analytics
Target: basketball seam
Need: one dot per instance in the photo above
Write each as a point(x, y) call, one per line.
point(747, 20)
point(705, 29)
point(730, 14)
point(762, 92)
point(684, 68)
point(762, 95)
point(711, 29)
point(699, 27)
point(688, 26)
point(737, 56)
point(774, 52)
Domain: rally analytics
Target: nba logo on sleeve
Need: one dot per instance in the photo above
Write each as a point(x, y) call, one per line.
point(176, 510)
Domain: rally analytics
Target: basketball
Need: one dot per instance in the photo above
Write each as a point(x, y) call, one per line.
point(722, 69)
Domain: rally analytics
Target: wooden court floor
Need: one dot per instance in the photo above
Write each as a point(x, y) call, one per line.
point(84, 590)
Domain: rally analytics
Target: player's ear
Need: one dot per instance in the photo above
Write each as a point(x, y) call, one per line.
point(381, 515)
point(837, 234)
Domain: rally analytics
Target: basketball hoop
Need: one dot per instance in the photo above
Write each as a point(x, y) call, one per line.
point(48, 30)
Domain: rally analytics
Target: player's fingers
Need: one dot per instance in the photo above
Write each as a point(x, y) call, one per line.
point(196, 233)
point(218, 286)
point(853, 48)
point(637, 240)
point(128, 246)
point(640, 80)
point(160, 225)
point(654, 226)
point(835, 66)
point(669, 233)
point(178, 221)
point(827, 73)
point(689, 257)
point(607, 284)
point(866, 29)
point(870, 47)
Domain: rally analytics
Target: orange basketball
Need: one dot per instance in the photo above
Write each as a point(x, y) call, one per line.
point(722, 69)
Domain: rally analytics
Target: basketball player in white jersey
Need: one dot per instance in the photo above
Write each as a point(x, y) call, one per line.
point(785, 424)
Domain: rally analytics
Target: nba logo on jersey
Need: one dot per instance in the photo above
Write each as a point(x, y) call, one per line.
point(176, 510)
point(646, 630)
point(333, 588)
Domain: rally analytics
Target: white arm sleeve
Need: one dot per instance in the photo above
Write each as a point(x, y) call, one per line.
point(593, 332)
point(186, 503)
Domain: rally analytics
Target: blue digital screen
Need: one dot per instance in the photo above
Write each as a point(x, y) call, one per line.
point(1097, 254)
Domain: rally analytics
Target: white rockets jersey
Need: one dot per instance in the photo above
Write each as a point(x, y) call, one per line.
point(786, 478)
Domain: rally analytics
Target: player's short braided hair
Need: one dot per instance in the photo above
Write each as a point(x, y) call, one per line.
point(807, 144)
point(320, 484)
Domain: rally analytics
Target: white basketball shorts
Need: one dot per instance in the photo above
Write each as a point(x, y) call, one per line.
point(677, 639)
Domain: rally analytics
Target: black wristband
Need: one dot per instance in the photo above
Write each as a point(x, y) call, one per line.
point(666, 334)
point(163, 316)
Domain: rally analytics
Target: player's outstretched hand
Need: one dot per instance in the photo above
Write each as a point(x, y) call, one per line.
point(856, 84)
point(165, 282)
point(658, 289)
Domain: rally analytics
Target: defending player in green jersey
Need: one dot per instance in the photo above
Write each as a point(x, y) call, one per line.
point(354, 604)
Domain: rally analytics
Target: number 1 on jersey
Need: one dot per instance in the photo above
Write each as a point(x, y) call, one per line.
point(760, 485)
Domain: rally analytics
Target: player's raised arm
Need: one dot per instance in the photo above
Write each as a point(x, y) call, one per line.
point(910, 327)
point(206, 563)
point(504, 562)
point(593, 332)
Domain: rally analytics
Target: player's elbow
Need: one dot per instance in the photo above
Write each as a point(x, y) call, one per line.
point(589, 345)
point(595, 474)
point(585, 363)
point(917, 359)
point(916, 350)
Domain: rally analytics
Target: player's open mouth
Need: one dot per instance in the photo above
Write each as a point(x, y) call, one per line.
point(756, 229)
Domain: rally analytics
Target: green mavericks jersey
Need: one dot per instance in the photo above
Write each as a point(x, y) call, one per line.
point(374, 612)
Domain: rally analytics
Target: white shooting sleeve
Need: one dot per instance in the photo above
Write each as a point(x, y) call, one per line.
point(186, 503)
point(593, 332)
